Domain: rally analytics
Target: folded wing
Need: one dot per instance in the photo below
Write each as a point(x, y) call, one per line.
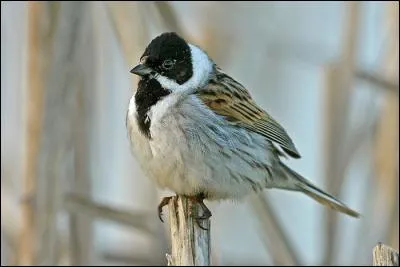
point(228, 98)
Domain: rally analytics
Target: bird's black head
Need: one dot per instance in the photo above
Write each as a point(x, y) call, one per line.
point(167, 55)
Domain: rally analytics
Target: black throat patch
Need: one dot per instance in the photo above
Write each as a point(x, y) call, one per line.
point(149, 92)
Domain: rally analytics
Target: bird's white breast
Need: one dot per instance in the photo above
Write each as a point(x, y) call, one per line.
point(193, 150)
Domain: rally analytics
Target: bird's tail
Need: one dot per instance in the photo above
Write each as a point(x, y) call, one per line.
point(301, 184)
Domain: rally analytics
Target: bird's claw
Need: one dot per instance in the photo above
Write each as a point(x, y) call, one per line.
point(206, 212)
point(163, 203)
point(198, 199)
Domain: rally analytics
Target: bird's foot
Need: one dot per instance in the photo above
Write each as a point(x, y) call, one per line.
point(195, 199)
point(206, 212)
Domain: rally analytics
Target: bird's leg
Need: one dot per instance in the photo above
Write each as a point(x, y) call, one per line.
point(206, 212)
point(163, 202)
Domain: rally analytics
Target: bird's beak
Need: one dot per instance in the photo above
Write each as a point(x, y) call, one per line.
point(141, 70)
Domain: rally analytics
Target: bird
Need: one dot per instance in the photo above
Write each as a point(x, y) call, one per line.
point(197, 131)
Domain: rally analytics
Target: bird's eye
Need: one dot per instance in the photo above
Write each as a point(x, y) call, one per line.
point(167, 64)
point(143, 59)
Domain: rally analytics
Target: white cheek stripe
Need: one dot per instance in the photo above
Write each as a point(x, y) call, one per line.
point(202, 67)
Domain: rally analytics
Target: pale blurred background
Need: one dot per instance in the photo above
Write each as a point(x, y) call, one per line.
point(72, 193)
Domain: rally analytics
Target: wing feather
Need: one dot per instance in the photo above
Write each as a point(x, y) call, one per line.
point(228, 98)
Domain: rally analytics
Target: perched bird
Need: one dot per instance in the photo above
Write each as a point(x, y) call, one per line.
point(197, 131)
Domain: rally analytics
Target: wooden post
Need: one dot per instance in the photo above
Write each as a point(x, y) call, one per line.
point(385, 256)
point(190, 243)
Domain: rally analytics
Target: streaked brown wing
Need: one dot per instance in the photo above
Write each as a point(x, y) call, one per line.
point(227, 97)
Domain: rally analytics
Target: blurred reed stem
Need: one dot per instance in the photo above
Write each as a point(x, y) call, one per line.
point(386, 143)
point(74, 204)
point(276, 241)
point(339, 86)
point(36, 55)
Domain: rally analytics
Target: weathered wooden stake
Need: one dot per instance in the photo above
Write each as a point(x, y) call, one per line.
point(190, 243)
point(385, 256)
